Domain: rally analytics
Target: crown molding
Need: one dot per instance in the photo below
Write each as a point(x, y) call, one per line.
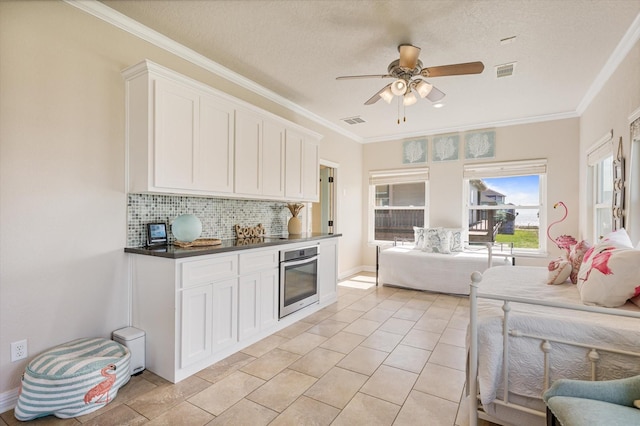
point(627, 42)
point(117, 19)
point(477, 126)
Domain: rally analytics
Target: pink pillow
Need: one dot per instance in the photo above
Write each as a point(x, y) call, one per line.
point(559, 271)
point(610, 272)
point(576, 256)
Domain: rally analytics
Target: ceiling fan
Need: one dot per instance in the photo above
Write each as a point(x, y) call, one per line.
point(407, 72)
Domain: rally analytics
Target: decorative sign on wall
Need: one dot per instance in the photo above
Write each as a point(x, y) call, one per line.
point(445, 148)
point(414, 151)
point(618, 189)
point(480, 145)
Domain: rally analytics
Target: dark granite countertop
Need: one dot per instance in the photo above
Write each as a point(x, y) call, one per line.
point(174, 252)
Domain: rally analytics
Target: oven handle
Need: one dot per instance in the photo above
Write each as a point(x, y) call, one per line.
point(299, 262)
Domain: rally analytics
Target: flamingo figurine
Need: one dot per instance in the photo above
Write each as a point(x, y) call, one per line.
point(564, 242)
point(101, 390)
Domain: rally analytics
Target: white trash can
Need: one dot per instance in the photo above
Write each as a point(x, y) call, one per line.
point(133, 339)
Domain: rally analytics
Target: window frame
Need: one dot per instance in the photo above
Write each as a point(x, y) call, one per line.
point(533, 167)
point(597, 154)
point(393, 177)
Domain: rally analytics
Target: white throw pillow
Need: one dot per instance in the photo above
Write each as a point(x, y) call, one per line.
point(610, 278)
point(437, 240)
point(610, 271)
point(418, 238)
point(559, 271)
point(457, 239)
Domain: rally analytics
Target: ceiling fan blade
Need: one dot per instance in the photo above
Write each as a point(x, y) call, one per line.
point(435, 94)
point(352, 77)
point(375, 98)
point(454, 69)
point(408, 56)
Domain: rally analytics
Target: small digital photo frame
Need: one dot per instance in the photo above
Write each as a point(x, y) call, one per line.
point(156, 234)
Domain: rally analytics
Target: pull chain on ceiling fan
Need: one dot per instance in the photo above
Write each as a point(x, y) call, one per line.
point(407, 72)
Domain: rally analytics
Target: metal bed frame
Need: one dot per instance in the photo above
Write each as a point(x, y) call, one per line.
point(475, 408)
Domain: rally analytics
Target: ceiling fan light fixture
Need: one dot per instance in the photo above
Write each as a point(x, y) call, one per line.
point(409, 99)
point(423, 88)
point(399, 87)
point(387, 95)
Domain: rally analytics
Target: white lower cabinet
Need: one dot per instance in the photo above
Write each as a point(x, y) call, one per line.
point(198, 310)
point(258, 303)
point(225, 314)
point(328, 270)
point(197, 324)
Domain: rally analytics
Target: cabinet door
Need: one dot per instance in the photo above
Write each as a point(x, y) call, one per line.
point(213, 154)
point(248, 306)
point(293, 165)
point(225, 314)
point(176, 111)
point(248, 147)
point(328, 270)
point(310, 172)
point(269, 290)
point(272, 159)
point(196, 325)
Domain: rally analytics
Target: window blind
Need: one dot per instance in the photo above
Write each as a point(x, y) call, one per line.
point(388, 177)
point(601, 149)
point(507, 168)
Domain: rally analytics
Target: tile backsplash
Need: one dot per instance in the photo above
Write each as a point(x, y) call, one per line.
point(218, 215)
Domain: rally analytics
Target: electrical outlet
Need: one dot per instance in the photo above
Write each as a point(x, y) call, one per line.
point(18, 350)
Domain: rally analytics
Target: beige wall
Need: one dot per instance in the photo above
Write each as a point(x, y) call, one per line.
point(557, 141)
point(610, 110)
point(63, 273)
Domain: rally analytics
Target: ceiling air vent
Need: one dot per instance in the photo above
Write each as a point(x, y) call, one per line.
point(505, 70)
point(353, 120)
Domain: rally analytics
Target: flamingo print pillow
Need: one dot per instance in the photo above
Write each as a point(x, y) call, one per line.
point(610, 272)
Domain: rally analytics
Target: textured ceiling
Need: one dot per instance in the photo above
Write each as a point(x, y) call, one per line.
point(297, 48)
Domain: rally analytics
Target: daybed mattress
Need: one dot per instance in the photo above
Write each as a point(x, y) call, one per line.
point(443, 273)
point(526, 358)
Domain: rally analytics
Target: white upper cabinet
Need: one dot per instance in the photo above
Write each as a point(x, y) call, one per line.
point(213, 157)
point(293, 165)
point(310, 171)
point(248, 162)
point(259, 161)
point(184, 137)
point(273, 159)
point(302, 168)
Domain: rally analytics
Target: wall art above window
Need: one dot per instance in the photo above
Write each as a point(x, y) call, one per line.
point(445, 148)
point(479, 145)
point(414, 152)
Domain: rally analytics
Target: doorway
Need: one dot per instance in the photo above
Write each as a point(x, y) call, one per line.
point(324, 211)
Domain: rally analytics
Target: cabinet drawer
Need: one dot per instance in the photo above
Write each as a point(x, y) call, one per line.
point(258, 261)
point(206, 271)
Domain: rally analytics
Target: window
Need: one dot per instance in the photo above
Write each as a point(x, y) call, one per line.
point(600, 178)
point(397, 203)
point(505, 202)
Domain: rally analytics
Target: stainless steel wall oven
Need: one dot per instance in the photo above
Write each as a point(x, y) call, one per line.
point(298, 279)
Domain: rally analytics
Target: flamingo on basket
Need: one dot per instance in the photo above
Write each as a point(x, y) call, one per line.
point(564, 242)
point(102, 389)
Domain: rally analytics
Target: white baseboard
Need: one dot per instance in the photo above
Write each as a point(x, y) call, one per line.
point(8, 400)
point(354, 271)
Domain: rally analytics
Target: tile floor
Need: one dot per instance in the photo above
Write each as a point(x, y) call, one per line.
point(379, 356)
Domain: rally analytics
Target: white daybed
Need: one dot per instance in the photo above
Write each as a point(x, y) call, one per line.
point(545, 333)
point(404, 266)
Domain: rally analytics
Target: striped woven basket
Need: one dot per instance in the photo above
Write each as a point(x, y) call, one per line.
point(73, 379)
